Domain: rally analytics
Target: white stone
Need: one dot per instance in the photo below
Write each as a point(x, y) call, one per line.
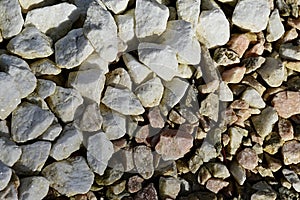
point(213, 28)
point(101, 30)
point(5, 175)
point(236, 135)
point(161, 59)
point(49, 19)
point(210, 107)
point(70, 177)
point(44, 67)
point(123, 101)
point(31, 44)
point(33, 158)
point(29, 121)
point(68, 142)
point(253, 98)
point(251, 15)
point(189, 10)
point(114, 124)
point(290, 51)
point(52, 132)
point(11, 19)
point(275, 28)
point(11, 191)
point(180, 36)
point(150, 17)
point(99, 151)
point(89, 80)
point(33, 188)
point(137, 71)
point(72, 49)
point(10, 152)
point(225, 93)
point(119, 77)
point(143, 161)
point(116, 6)
point(28, 4)
point(64, 103)
point(150, 92)
point(185, 71)
point(45, 88)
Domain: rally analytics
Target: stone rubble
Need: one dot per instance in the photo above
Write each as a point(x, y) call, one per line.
point(5, 175)
point(35, 188)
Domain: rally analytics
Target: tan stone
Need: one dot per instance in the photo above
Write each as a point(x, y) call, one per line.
point(287, 103)
point(234, 75)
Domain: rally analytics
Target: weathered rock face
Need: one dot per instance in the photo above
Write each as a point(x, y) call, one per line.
point(247, 158)
point(287, 103)
point(290, 152)
point(35, 187)
point(143, 161)
point(10, 151)
point(5, 175)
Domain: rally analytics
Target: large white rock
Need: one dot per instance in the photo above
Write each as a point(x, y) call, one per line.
point(161, 59)
point(5, 175)
point(123, 101)
point(180, 36)
point(99, 151)
point(189, 10)
point(29, 121)
point(101, 30)
point(275, 27)
point(33, 188)
point(72, 50)
point(11, 19)
point(116, 6)
point(251, 15)
point(10, 152)
point(55, 20)
point(253, 98)
point(119, 77)
point(213, 28)
point(151, 18)
point(70, 177)
point(31, 44)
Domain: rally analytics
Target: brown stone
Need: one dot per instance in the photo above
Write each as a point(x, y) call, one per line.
point(239, 43)
point(234, 75)
point(134, 184)
point(247, 158)
point(285, 129)
point(155, 118)
point(215, 185)
point(148, 193)
point(256, 50)
point(239, 104)
point(287, 103)
point(291, 152)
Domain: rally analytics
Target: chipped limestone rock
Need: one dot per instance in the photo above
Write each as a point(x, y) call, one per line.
point(224, 56)
point(151, 18)
point(44, 67)
point(210, 107)
point(236, 135)
point(264, 122)
point(10, 152)
point(11, 191)
point(72, 49)
point(99, 151)
point(218, 170)
point(287, 103)
point(247, 158)
point(150, 93)
point(11, 20)
point(189, 10)
point(143, 161)
point(119, 77)
point(291, 152)
point(29, 121)
point(90, 119)
point(101, 30)
point(169, 187)
point(64, 103)
point(33, 158)
point(45, 88)
point(68, 142)
point(5, 175)
point(160, 58)
point(69, 177)
point(251, 15)
point(238, 172)
point(253, 98)
point(290, 51)
point(52, 132)
point(33, 188)
point(123, 101)
point(275, 28)
point(31, 44)
point(49, 19)
point(116, 6)
point(213, 28)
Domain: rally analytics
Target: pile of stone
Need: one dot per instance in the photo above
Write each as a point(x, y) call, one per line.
point(149, 99)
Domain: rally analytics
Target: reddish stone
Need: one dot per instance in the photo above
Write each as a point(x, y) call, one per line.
point(135, 184)
point(285, 129)
point(215, 185)
point(291, 152)
point(239, 104)
point(142, 134)
point(234, 75)
point(239, 43)
point(287, 103)
point(148, 193)
point(247, 158)
point(155, 118)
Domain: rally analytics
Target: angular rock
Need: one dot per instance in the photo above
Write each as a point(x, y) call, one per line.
point(72, 49)
point(123, 101)
point(143, 161)
point(33, 188)
point(263, 195)
point(215, 185)
point(44, 67)
point(234, 75)
point(291, 152)
point(49, 19)
point(29, 4)
point(264, 122)
point(218, 170)
point(253, 98)
point(189, 10)
point(225, 93)
point(213, 28)
point(5, 175)
point(225, 57)
point(112, 174)
point(101, 30)
point(99, 151)
point(116, 6)
point(236, 135)
point(287, 103)
point(135, 184)
point(174, 144)
point(149, 192)
point(11, 20)
point(11, 191)
point(33, 158)
point(253, 63)
point(52, 132)
point(210, 107)
point(239, 43)
point(69, 177)
point(45, 88)
point(251, 15)
point(150, 17)
point(68, 142)
point(31, 44)
point(169, 187)
point(155, 118)
point(247, 158)
point(285, 129)
point(10, 152)
point(64, 103)
point(119, 77)
point(29, 121)
point(275, 28)
point(161, 59)
point(238, 172)
point(289, 51)
point(295, 66)
point(90, 119)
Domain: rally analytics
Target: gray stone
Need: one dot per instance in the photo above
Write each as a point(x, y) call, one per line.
point(33, 158)
point(29, 4)
point(68, 142)
point(4, 130)
point(101, 30)
point(44, 67)
point(33, 188)
point(218, 170)
point(210, 107)
point(11, 20)
point(264, 122)
point(169, 187)
point(10, 152)
point(5, 175)
point(11, 191)
point(52, 132)
point(143, 160)
point(238, 172)
point(119, 77)
point(70, 177)
point(236, 135)
point(293, 178)
point(275, 28)
point(111, 175)
point(289, 51)
point(99, 151)
point(189, 10)
point(253, 98)
point(206, 152)
point(29, 121)
point(90, 119)
point(116, 6)
point(31, 44)
point(45, 88)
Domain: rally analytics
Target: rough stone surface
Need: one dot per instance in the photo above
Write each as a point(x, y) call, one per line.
point(99, 151)
point(264, 122)
point(239, 43)
point(101, 30)
point(44, 67)
point(210, 107)
point(69, 177)
point(290, 51)
point(149, 192)
point(247, 158)
point(275, 27)
point(218, 170)
point(90, 119)
point(238, 172)
point(253, 98)
point(225, 57)
point(11, 20)
point(169, 187)
point(155, 118)
point(11, 191)
point(31, 44)
point(135, 184)
point(116, 6)
point(143, 161)
point(293, 178)
point(45, 88)
point(72, 49)
point(10, 152)
point(285, 129)
point(291, 152)
point(287, 103)
point(29, 121)
point(5, 175)
point(234, 75)
point(33, 188)
point(119, 77)
point(151, 18)
point(251, 15)
point(52, 132)
point(189, 10)
point(236, 135)
point(215, 185)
